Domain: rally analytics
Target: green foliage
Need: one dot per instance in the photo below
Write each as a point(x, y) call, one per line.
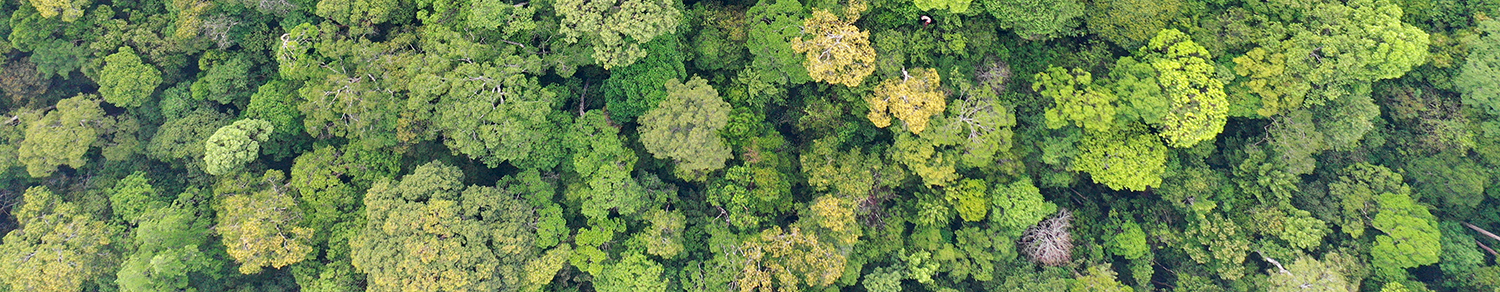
point(773, 26)
point(616, 28)
point(61, 137)
point(76, 246)
point(1480, 70)
point(1457, 181)
point(1358, 187)
point(632, 90)
point(633, 273)
point(1186, 75)
point(1075, 100)
point(1018, 205)
point(604, 166)
point(1308, 274)
point(1130, 23)
point(125, 81)
point(133, 196)
point(954, 6)
point(234, 145)
point(170, 250)
point(1123, 160)
point(685, 128)
point(751, 195)
point(259, 221)
point(1099, 278)
point(70, 10)
point(969, 199)
point(427, 231)
point(1411, 236)
point(225, 78)
point(1127, 239)
point(492, 112)
point(1037, 19)
point(275, 102)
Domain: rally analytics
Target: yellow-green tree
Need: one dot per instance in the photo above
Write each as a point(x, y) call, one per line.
point(1130, 159)
point(61, 137)
point(69, 9)
point(1075, 99)
point(57, 247)
point(837, 51)
point(1186, 74)
point(260, 222)
point(912, 98)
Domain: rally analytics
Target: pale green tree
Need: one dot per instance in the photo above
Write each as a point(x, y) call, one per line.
point(232, 146)
point(684, 128)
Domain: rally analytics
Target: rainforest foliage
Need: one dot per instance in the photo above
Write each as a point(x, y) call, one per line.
point(749, 145)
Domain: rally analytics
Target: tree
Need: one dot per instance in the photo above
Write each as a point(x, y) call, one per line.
point(1036, 19)
point(125, 81)
point(616, 28)
point(493, 111)
point(685, 128)
point(1126, 238)
point(913, 99)
point(225, 78)
point(1130, 23)
point(1186, 74)
point(275, 102)
point(169, 248)
point(427, 231)
point(1411, 236)
point(259, 221)
point(56, 247)
point(1050, 242)
point(1075, 99)
point(132, 196)
point(774, 24)
point(750, 195)
point(1129, 159)
point(632, 90)
point(954, 6)
point(181, 138)
point(850, 173)
point(234, 145)
point(664, 236)
point(969, 199)
point(69, 9)
point(837, 51)
point(1018, 205)
point(1307, 274)
point(1480, 70)
point(633, 273)
point(603, 164)
point(1100, 278)
point(61, 137)
point(977, 124)
point(1358, 188)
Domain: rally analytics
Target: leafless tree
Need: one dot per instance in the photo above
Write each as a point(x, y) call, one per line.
point(1049, 242)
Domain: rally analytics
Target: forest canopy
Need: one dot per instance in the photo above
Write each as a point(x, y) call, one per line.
point(749, 145)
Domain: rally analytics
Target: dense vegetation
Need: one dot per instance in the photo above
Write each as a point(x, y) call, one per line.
point(749, 145)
